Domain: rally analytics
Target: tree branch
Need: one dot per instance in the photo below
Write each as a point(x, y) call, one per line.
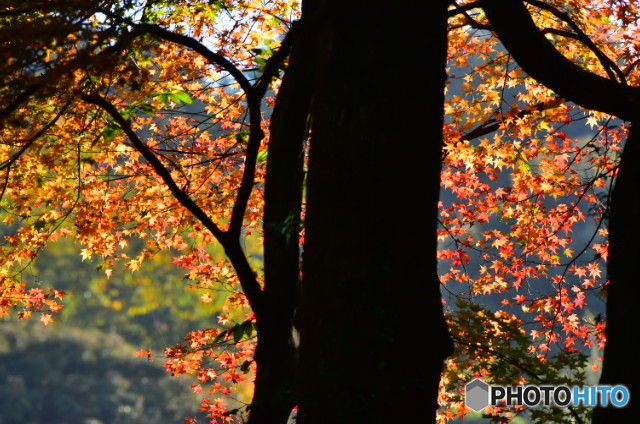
point(254, 97)
point(232, 247)
point(464, 11)
point(155, 163)
point(22, 12)
point(610, 67)
point(255, 131)
point(27, 143)
point(250, 160)
point(517, 31)
point(493, 124)
point(21, 98)
point(200, 48)
point(461, 9)
point(82, 59)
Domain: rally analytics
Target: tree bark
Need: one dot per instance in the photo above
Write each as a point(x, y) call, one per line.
point(370, 282)
point(275, 353)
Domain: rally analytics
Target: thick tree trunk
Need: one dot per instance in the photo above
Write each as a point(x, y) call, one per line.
point(621, 355)
point(275, 354)
point(370, 285)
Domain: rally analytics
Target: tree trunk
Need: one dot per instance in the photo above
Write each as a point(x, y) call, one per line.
point(273, 394)
point(370, 284)
point(620, 354)
point(275, 354)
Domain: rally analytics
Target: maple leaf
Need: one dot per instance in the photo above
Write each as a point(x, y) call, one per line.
point(46, 319)
point(594, 270)
point(86, 254)
point(579, 271)
point(59, 294)
point(142, 353)
point(592, 121)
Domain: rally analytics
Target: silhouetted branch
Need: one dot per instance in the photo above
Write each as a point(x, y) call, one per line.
point(247, 278)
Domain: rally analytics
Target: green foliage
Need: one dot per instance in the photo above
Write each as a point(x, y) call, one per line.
point(241, 330)
point(494, 346)
point(150, 308)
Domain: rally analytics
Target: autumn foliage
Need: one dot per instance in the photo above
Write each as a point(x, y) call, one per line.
point(150, 121)
point(531, 176)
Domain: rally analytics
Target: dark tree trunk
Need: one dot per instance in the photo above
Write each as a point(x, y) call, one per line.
point(275, 353)
point(370, 286)
point(620, 365)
